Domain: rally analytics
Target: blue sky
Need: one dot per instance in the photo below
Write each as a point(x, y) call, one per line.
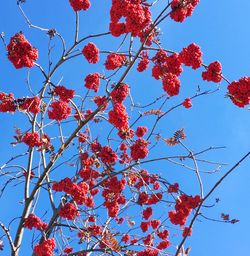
point(221, 29)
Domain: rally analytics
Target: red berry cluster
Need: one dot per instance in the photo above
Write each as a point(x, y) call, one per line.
point(119, 94)
point(31, 105)
point(181, 9)
point(77, 191)
point(115, 61)
point(32, 221)
point(68, 211)
point(148, 252)
point(183, 207)
point(171, 84)
point(20, 52)
point(46, 248)
point(213, 72)
point(137, 17)
point(239, 92)
point(191, 56)
point(147, 213)
point(166, 64)
point(119, 117)
point(112, 195)
point(79, 5)
point(59, 110)
point(107, 155)
point(101, 101)
point(7, 102)
point(139, 149)
point(187, 103)
point(92, 81)
point(32, 139)
point(141, 131)
point(91, 53)
point(173, 188)
point(144, 62)
point(64, 93)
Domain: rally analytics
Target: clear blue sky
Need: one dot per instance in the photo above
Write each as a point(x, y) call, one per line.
point(221, 29)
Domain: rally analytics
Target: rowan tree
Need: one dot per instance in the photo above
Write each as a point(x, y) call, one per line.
point(93, 147)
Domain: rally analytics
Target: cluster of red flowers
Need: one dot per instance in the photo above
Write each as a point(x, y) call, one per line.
point(79, 5)
point(115, 61)
point(119, 117)
point(77, 191)
point(7, 102)
point(139, 149)
point(191, 56)
point(239, 92)
point(182, 9)
point(112, 195)
point(59, 110)
point(137, 17)
point(91, 53)
point(20, 52)
point(120, 93)
point(68, 211)
point(213, 72)
point(183, 207)
point(64, 93)
point(32, 221)
point(46, 248)
point(187, 103)
point(92, 81)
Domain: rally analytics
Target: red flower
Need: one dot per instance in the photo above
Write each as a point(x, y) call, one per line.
point(91, 53)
